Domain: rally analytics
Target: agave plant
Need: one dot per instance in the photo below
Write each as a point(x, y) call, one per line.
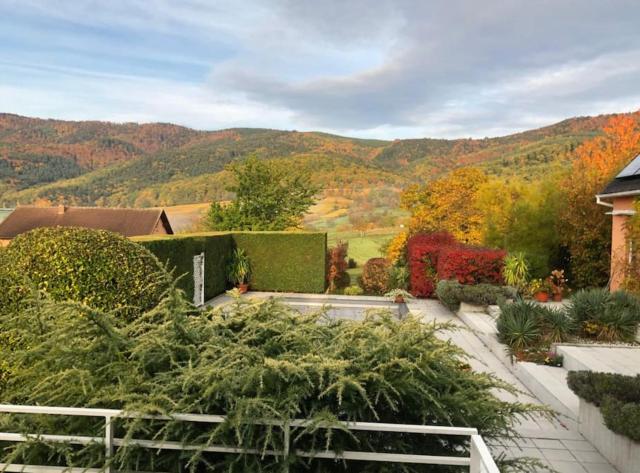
point(587, 304)
point(558, 326)
point(519, 325)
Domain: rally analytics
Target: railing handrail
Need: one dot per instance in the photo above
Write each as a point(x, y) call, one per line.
point(479, 461)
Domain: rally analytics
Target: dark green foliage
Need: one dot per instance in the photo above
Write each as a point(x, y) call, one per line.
point(605, 316)
point(268, 196)
point(280, 261)
point(100, 269)
point(14, 285)
point(177, 253)
point(556, 324)
point(588, 304)
point(376, 277)
point(285, 261)
point(452, 293)
point(518, 325)
point(399, 276)
point(250, 360)
point(618, 397)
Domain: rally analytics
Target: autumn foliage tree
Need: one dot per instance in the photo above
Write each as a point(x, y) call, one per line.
point(585, 227)
point(448, 204)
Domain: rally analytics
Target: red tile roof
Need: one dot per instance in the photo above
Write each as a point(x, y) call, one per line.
point(128, 222)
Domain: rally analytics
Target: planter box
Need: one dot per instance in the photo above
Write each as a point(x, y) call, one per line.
point(622, 452)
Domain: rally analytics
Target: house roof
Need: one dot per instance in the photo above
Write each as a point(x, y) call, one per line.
point(627, 182)
point(128, 222)
point(4, 213)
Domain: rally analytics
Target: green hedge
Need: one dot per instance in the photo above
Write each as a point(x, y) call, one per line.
point(617, 396)
point(452, 293)
point(285, 261)
point(178, 252)
point(280, 261)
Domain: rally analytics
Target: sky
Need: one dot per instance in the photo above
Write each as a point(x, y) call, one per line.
point(367, 68)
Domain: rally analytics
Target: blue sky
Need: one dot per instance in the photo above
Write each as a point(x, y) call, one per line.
point(370, 68)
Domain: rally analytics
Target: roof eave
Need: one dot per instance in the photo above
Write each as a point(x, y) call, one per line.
point(604, 199)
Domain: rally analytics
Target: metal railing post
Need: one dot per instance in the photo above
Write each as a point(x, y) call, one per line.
point(286, 447)
point(108, 443)
point(476, 459)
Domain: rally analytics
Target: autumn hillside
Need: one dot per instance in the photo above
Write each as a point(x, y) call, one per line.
point(98, 163)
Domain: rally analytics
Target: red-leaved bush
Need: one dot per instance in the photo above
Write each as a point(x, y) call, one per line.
point(437, 256)
point(423, 251)
point(471, 265)
point(337, 276)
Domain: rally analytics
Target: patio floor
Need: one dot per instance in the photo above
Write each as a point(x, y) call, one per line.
point(556, 444)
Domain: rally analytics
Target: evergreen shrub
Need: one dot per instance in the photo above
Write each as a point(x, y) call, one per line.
point(98, 268)
point(251, 360)
point(452, 293)
point(617, 396)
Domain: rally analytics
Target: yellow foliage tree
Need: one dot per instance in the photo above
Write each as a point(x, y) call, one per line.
point(397, 247)
point(448, 204)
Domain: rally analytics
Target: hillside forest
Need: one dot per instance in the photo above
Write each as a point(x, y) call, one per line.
point(531, 191)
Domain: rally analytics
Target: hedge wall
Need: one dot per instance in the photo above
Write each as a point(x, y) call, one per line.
point(280, 261)
point(178, 252)
point(617, 396)
point(285, 261)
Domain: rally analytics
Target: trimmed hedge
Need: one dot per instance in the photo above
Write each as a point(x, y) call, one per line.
point(280, 261)
point(285, 261)
point(617, 396)
point(177, 253)
point(101, 269)
point(452, 293)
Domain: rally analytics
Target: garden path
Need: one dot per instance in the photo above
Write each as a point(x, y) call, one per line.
point(557, 444)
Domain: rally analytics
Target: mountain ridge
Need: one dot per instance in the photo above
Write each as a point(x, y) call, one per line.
point(129, 164)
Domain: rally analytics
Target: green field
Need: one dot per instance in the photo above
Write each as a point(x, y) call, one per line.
point(363, 246)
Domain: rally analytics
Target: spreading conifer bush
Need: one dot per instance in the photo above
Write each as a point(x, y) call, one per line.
point(98, 268)
point(251, 360)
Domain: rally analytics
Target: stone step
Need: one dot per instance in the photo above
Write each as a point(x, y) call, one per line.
point(547, 383)
point(601, 358)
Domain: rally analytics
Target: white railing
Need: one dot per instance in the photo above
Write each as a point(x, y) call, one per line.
point(479, 460)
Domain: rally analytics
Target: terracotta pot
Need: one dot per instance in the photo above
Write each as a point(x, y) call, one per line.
point(243, 288)
point(541, 296)
point(399, 299)
point(557, 297)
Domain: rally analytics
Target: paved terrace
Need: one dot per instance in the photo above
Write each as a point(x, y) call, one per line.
point(556, 444)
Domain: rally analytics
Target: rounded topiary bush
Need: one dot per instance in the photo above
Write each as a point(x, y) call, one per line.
point(13, 284)
point(375, 276)
point(98, 268)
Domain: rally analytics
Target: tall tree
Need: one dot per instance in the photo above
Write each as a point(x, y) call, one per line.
point(522, 216)
point(586, 230)
point(448, 203)
point(268, 196)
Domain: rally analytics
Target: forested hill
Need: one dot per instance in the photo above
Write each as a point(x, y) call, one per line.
point(99, 163)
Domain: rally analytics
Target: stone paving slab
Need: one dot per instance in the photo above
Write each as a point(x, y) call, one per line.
point(555, 444)
point(607, 359)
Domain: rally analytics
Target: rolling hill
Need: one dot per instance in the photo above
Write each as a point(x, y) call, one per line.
point(99, 163)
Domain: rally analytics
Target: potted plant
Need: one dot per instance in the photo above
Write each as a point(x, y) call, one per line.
point(238, 270)
point(558, 284)
point(398, 295)
point(539, 290)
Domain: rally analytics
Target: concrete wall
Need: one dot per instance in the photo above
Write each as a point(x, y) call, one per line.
point(622, 452)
